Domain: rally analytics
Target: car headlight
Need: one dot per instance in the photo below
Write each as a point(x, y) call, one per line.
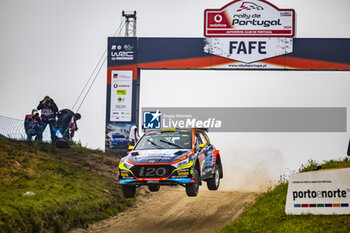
point(125, 165)
point(128, 165)
point(181, 163)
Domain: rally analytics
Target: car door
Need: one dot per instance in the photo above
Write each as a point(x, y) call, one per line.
point(201, 151)
point(208, 152)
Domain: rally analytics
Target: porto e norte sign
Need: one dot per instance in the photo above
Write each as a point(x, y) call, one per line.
point(319, 192)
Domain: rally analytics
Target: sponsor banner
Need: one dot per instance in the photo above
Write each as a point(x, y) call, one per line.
point(319, 192)
point(179, 53)
point(122, 51)
point(247, 119)
point(121, 96)
point(248, 50)
point(254, 18)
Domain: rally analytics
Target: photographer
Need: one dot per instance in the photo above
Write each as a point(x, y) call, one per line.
point(48, 114)
point(32, 126)
point(67, 123)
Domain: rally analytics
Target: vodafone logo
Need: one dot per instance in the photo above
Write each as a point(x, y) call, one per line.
point(218, 18)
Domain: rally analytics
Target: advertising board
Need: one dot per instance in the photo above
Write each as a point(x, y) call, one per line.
point(246, 52)
point(254, 18)
point(319, 192)
point(121, 96)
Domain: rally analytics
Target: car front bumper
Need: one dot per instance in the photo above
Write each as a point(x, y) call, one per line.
point(150, 181)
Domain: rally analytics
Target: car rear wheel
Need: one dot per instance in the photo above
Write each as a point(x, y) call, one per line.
point(192, 188)
point(214, 182)
point(154, 188)
point(129, 190)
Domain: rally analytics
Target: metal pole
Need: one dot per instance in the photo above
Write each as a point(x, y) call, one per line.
point(130, 23)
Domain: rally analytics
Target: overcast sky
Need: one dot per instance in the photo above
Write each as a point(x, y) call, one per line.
point(51, 47)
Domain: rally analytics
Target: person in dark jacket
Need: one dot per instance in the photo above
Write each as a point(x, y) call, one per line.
point(66, 122)
point(33, 126)
point(48, 114)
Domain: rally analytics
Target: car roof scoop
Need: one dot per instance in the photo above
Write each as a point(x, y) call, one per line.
point(180, 152)
point(135, 153)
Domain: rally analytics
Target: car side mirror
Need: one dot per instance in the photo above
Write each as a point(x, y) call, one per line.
point(130, 148)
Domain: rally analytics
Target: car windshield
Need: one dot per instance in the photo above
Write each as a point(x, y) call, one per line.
point(165, 140)
point(118, 136)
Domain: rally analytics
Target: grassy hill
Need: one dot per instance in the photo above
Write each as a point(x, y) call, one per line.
point(45, 189)
point(268, 213)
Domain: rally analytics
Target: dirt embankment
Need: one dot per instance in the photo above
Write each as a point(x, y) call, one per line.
point(170, 210)
point(102, 164)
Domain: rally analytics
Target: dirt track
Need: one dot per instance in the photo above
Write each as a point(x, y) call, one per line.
point(170, 210)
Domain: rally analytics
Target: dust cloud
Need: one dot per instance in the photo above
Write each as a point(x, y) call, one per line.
point(251, 170)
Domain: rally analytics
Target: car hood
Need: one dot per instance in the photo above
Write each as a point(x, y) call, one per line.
point(156, 156)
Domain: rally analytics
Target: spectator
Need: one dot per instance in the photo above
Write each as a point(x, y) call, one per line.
point(133, 136)
point(67, 122)
point(48, 115)
point(33, 126)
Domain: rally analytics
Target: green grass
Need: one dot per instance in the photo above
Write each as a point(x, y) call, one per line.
point(268, 213)
point(66, 195)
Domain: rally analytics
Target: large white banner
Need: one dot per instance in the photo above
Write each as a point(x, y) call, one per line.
point(319, 192)
point(121, 95)
point(248, 51)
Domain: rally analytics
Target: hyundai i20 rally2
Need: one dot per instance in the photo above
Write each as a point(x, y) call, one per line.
point(171, 157)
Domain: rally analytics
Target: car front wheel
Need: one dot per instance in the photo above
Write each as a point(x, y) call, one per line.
point(154, 188)
point(192, 188)
point(129, 190)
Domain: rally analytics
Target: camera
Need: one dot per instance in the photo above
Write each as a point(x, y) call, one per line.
point(47, 101)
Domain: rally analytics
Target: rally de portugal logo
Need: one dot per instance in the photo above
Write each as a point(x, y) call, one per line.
point(253, 18)
point(152, 119)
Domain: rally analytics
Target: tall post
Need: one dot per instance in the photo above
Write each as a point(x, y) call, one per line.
point(130, 23)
